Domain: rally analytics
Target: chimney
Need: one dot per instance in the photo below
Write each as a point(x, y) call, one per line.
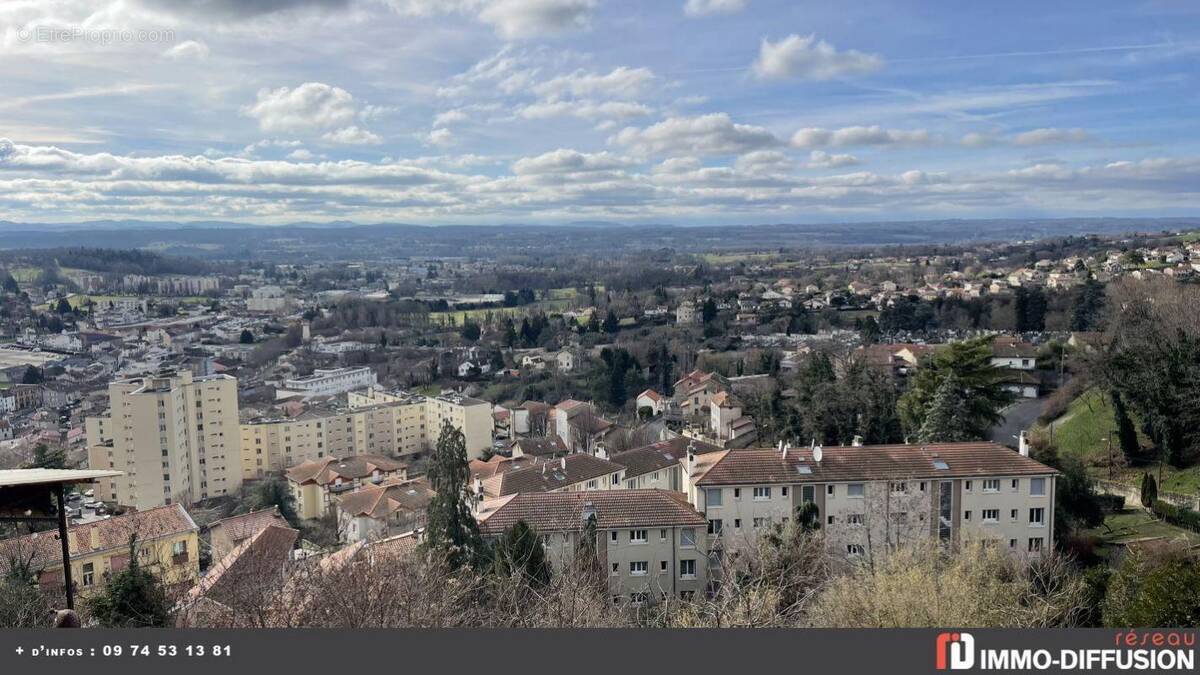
point(1023, 444)
point(478, 486)
point(94, 541)
point(601, 452)
point(562, 463)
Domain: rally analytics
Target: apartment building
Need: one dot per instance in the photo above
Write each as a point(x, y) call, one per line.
point(174, 436)
point(571, 473)
point(659, 465)
point(328, 382)
point(651, 542)
point(316, 485)
point(417, 420)
point(166, 542)
point(870, 499)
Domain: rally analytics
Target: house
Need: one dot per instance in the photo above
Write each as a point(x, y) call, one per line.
point(727, 423)
point(872, 498)
point(465, 369)
point(659, 465)
point(315, 484)
point(578, 425)
point(653, 400)
point(165, 539)
point(1022, 383)
point(686, 313)
point(571, 473)
point(498, 464)
point(6, 431)
point(651, 542)
point(1008, 352)
point(375, 512)
point(694, 391)
point(228, 533)
point(242, 581)
point(564, 361)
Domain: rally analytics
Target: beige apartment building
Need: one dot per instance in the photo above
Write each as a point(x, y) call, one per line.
point(872, 499)
point(373, 423)
point(651, 543)
point(173, 435)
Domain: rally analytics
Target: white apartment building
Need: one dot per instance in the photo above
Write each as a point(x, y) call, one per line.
point(651, 543)
point(329, 382)
point(415, 421)
point(874, 498)
point(175, 437)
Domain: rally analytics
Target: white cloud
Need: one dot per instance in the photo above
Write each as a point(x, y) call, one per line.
point(819, 159)
point(713, 134)
point(1050, 136)
point(519, 19)
point(301, 155)
point(978, 140)
point(449, 117)
point(762, 162)
point(188, 50)
point(698, 8)
point(352, 135)
point(811, 59)
point(815, 137)
point(621, 82)
point(584, 109)
point(311, 106)
point(564, 160)
point(440, 136)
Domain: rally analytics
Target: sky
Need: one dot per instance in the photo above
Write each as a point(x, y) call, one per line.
point(698, 112)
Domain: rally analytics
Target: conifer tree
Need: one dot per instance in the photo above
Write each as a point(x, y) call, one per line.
point(451, 530)
point(945, 417)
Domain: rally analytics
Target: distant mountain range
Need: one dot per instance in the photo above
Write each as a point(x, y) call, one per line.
point(346, 240)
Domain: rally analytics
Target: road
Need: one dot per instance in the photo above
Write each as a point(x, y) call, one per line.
point(1019, 416)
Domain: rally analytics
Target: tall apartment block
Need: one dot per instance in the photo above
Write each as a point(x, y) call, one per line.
point(175, 437)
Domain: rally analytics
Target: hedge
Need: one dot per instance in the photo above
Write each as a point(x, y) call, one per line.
point(1110, 503)
point(1176, 515)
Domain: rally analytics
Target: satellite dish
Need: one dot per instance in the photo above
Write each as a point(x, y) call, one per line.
point(817, 453)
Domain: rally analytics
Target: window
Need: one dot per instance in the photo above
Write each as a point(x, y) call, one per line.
point(714, 527)
point(991, 485)
point(687, 596)
point(687, 536)
point(854, 519)
point(1037, 517)
point(737, 523)
point(616, 478)
point(899, 488)
point(89, 574)
point(991, 515)
point(761, 493)
point(922, 486)
point(1012, 514)
point(662, 566)
point(759, 522)
point(616, 568)
point(737, 493)
point(1037, 487)
point(638, 568)
point(829, 520)
point(687, 569)
point(967, 485)
point(637, 536)
point(613, 536)
point(638, 598)
point(1035, 544)
point(829, 490)
point(966, 515)
point(855, 490)
point(854, 549)
point(1016, 484)
point(1012, 543)
point(662, 534)
point(712, 497)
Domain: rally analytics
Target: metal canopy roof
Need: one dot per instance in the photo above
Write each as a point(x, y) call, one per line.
point(12, 477)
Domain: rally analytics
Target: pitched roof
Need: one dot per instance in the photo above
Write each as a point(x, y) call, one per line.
point(328, 469)
point(1006, 347)
point(250, 564)
point(658, 456)
point(651, 394)
point(551, 445)
point(380, 501)
point(557, 511)
point(246, 525)
point(873, 462)
point(548, 476)
point(111, 534)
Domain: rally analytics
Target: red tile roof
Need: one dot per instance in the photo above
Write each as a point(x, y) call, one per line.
point(874, 462)
point(557, 511)
point(552, 475)
point(111, 534)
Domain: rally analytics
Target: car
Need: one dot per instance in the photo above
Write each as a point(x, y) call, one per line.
point(89, 493)
point(74, 497)
point(101, 509)
point(92, 504)
point(75, 512)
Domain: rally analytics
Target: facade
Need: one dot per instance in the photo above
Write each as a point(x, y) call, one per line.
point(659, 465)
point(315, 486)
point(375, 512)
point(417, 420)
point(873, 498)
point(175, 437)
point(166, 542)
point(329, 382)
point(651, 542)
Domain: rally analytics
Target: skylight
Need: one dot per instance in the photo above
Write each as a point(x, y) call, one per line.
point(803, 468)
point(941, 465)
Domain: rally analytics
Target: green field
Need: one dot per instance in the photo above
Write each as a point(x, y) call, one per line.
point(1135, 524)
point(1083, 432)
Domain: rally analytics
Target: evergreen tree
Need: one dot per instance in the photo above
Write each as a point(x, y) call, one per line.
point(981, 383)
point(246, 338)
point(451, 530)
point(520, 552)
point(45, 457)
point(1126, 433)
point(470, 331)
point(708, 311)
point(31, 376)
point(275, 493)
point(1149, 491)
point(64, 307)
point(1089, 306)
point(610, 322)
point(945, 417)
point(134, 598)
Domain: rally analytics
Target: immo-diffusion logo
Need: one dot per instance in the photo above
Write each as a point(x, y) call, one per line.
point(1133, 650)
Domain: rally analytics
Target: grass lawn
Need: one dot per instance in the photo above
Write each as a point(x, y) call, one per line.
point(1133, 524)
point(461, 315)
